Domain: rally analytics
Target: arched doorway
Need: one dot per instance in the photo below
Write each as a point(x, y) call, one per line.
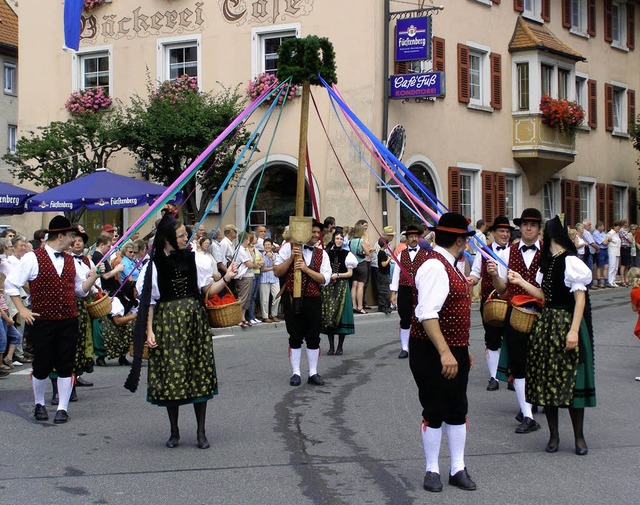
point(423, 173)
point(275, 200)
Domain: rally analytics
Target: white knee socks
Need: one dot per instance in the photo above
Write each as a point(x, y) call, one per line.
point(493, 357)
point(294, 359)
point(404, 339)
point(65, 385)
point(431, 438)
point(457, 438)
point(312, 356)
point(525, 407)
point(39, 389)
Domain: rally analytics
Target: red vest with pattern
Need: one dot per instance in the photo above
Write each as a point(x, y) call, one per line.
point(455, 315)
point(52, 295)
point(310, 288)
point(516, 263)
point(487, 280)
point(411, 267)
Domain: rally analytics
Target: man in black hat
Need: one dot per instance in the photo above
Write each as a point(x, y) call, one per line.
point(439, 351)
point(501, 232)
point(54, 283)
point(523, 257)
point(303, 322)
point(403, 283)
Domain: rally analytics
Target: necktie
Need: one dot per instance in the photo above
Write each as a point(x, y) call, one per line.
point(414, 249)
point(58, 255)
point(526, 248)
point(501, 247)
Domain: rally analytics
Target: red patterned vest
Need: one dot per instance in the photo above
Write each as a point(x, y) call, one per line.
point(455, 315)
point(516, 263)
point(310, 288)
point(411, 267)
point(53, 296)
point(487, 281)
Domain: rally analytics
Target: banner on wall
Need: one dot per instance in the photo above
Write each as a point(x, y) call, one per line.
point(413, 39)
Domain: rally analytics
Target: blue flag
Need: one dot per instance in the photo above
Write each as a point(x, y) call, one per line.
point(72, 23)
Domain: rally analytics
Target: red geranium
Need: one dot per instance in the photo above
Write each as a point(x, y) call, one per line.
point(562, 114)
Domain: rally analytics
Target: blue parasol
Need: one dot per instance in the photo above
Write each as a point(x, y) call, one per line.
point(13, 198)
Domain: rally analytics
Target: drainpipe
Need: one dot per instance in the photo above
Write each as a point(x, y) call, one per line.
point(385, 107)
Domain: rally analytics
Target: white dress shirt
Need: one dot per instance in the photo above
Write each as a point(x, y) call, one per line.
point(307, 254)
point(395, 279)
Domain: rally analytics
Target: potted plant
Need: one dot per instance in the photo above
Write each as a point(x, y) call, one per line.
point(263, 82)
point(88, 101)
point(562, 114)
point(90, 5)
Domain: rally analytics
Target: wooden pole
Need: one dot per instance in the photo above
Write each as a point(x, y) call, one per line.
point(300, 188)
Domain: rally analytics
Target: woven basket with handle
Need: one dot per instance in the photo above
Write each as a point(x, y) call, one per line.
point(494, 311)
point(222, 316)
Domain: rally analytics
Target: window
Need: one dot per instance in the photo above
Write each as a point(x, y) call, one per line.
point(582, 97)
point(546, 76)
point(618, 97)
point(550, 198)
point(532, 9)
point(585, 201)
point(10, 78)
point(563, 83)
point(616, 108)
point(511, 194)
point(95, 71)
point(616, 24)
point(479, 77)
point(13, 133)
point(266, 42)
point(619, 195)
point(463, 188)
point(475, 78)
point(523, 86)
point(180, 56)
point(466, 193)
point(579, 16)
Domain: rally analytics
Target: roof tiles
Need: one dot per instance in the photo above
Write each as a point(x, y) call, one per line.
point(529, 35)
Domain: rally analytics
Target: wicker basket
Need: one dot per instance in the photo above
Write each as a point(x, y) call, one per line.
point(522, 319)
point(222, 316)
point(99, 308)
point(145, 350)
point(494, 311)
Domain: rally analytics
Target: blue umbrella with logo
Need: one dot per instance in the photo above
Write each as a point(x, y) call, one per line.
point(100, 190)
point(13, 198)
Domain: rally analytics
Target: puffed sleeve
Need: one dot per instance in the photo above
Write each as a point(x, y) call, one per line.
point(539, 277)
point(351, 261)
point(576, 274)
point(117, 309)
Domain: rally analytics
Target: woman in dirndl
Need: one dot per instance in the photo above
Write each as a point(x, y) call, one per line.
point(182, 367)
point(560, 361)
point(337, 309)
point(117, 327)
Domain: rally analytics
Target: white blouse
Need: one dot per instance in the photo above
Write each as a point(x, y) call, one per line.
point(576, 274)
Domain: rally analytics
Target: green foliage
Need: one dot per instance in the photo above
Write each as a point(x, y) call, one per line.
point(168, 129)
point(304, 59)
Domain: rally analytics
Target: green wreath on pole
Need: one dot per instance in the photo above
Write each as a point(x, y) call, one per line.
point(304, 59)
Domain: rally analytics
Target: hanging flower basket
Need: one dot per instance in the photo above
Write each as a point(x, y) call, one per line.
point(88, 101)
point(90, 5)
point(175, 91)
point(561, 114)
point(264, 81)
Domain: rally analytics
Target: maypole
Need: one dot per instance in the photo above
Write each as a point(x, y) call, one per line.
point(304, 60)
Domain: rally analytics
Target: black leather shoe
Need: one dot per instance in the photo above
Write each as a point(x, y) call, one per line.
point(203, 443)
point(493, 385)
point(173, 441)
point(101, 362)
point(510, 386)
point(582, 450)
point(80, 382)
point(528, 425)
point(295, 380)
point(61, 417)
point(552, 445)
point(519, 416)
point(339, 352)
point(74, 395)
point(331, 352)
point(316, 380)
point(462, 480)
point(432, 482)
point(123, 361)
point(54, 399)
point(40, 413)
point(403, 354)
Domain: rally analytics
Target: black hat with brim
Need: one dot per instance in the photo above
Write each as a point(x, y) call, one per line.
point(531, 215)
point(60, 224)
point(501, 222)
point(412, 229)
point(453, 223)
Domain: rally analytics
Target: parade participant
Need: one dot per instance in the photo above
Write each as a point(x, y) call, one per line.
point(54, 281)
point(337, 310)
point(501, 231)
point(439, 351)
point(560, 366)
point(523, 257)
point(182, 366)
point(303, 323)
point(403, 291)
point(108, 280)
point(117, 327)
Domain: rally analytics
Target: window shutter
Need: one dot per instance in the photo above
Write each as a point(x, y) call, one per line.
point(571, 201)
point(546, 11)
point(518, 5)
point(609, 204)
point(401, 67)
point(501, 195)
point(633, 205)
point(608, 36)
point(454, 189)
point(463, 74)
point(495, 60)
point(566, 13)
point(608, 107)
point(488, 194)
point(497, 2)
point(592, 90)
point(591, 17)
point(631, 110)
point(438, 54)
point(601, 203)
point(576, 202)
point(631, 26)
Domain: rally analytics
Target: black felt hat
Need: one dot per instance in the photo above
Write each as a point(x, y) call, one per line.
point(453, 223)
point(529, 214)
point(412, 229)
point(60, 224)
point(501, 222)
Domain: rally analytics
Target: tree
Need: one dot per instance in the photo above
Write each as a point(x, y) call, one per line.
point(64, 150)
point(168, 129)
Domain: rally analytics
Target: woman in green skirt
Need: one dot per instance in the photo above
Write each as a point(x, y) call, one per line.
point(337, 310)
point(182, 366)
point(560, 365)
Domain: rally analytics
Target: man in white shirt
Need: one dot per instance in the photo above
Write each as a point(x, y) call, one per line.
point(227, 244)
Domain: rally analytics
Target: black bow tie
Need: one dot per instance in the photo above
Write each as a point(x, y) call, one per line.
point(414, 249)
point(503, 247)
point(309, 247)
point(526, 248)
point(78, 256)
point(58, 254)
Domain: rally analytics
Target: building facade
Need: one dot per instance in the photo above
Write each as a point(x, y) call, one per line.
point(482, 148)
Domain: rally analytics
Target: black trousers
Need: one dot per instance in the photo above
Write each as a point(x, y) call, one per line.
point(516, 348)
point(54, 346)
point(442, 400)
point(405, 306)
point(305, 325)
point(492, 334)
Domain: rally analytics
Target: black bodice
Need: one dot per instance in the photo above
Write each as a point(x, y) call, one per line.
point(556, 293)
point(177, 275)
point(337, 258)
